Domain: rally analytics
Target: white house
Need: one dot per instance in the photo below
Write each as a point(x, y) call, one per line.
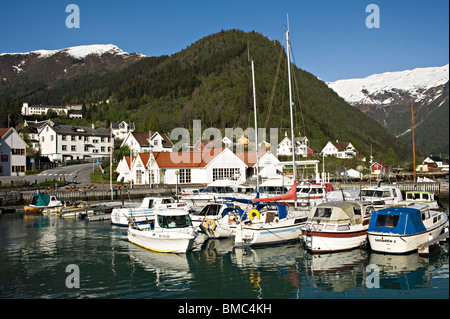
point(124, 169)
point(13, 150)
point(42, 109)
point(68, 142)
point(192, 167)
point(340, 149)
point(268, 164)
point(120, 130)
point(139, 142)
point(301, 146)
point(34, 127)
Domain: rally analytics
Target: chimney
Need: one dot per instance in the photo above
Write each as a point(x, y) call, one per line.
point(93, 126)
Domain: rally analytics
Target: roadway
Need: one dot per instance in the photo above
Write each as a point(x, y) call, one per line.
point(81, 171)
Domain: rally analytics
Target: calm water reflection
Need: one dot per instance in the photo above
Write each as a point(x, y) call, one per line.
point(35, 251)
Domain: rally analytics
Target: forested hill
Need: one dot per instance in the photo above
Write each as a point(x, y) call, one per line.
point(211, 80)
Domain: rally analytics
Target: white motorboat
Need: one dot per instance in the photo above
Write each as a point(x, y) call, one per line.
point(312, 194)
point(399, 230)
point(214, 192)
point(217, 220)
point(121, 216)
point(381, 195)
point(169, 231)
point(337, 226)
point(270, 222)
point(421, 197)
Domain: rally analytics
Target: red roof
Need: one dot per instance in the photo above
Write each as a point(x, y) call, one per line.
point(3, 131)
point(185, 159)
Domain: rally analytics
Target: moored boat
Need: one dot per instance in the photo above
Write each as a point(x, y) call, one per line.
point(337, 226)
point(421, 197)
point(120, 216)
point(400, 230)
point(217, 220)
point(170, 230)
point(381, 195)
point(41, 201)
point(270, 222)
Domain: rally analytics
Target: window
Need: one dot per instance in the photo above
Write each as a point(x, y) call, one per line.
point(185, 176)
point(103, 149)
point(64, 147)
point(174, 221)
point(323, 212)
point(73, 148)
point(63, 138)
point(226, 173)
point(17, 169)
point(18, 151)
point(51, 138)
point(43, 139)
point(387, 221)
point(73, 138)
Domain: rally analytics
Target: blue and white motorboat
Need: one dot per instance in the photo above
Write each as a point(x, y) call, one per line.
point(217, 220)
point(399, 230)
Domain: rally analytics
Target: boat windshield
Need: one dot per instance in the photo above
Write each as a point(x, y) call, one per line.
point(374, 193)
point(209, 210)
point(387, 221)
point(179, 221)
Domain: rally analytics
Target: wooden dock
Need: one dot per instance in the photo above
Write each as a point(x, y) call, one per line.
point(431, 247)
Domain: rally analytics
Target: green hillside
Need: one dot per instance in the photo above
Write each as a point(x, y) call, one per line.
point(211, 80)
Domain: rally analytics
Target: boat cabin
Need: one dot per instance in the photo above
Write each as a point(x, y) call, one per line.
point(385, 194)
point(402, 220)
point(340, 214)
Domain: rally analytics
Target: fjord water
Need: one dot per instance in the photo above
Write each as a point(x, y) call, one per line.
point(35, 252)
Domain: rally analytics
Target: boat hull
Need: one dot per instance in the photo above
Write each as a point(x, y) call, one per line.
point(401, 244)
point(273, 233)
point(326, 242)
point(160, 241)
point(32, 209)
point(122, 216)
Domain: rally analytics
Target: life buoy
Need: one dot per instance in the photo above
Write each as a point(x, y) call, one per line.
point(231, 218)
point(213, 224)
point(254, 211)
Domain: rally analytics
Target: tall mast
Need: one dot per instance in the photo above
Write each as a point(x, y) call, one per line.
point(414, 148)
point(294, 171)
point(256, 128)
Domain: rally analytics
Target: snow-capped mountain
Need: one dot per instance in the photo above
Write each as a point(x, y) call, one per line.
point(65, 62)
point(388, 97)
point(385, 88)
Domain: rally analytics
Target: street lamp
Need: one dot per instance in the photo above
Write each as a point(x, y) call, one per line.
point(177, 172)
point(360, 168)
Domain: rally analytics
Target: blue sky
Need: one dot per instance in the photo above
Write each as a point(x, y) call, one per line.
point(329, 37)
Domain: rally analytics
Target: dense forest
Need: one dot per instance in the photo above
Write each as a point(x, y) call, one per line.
point(210, 80)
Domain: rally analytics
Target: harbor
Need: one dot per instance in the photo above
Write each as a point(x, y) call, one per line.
point(37, 249)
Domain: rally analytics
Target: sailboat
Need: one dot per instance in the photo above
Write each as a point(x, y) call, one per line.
point(269, 221)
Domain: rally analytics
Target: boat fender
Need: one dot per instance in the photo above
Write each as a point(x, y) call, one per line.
point(254, 211)
point(213, 224)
